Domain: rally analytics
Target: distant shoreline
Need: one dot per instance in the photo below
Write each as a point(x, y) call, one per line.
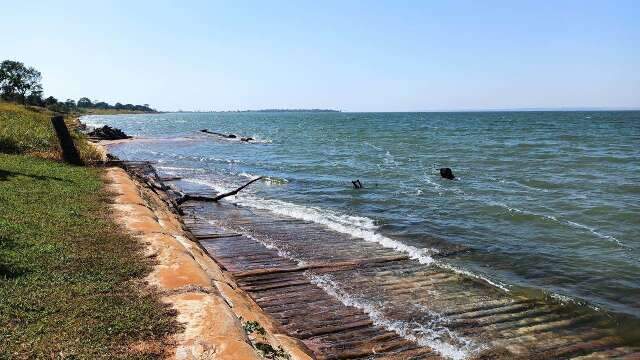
point(380, 112)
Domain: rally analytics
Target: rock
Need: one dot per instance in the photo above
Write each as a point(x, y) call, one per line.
point(231, 136)
point(246, 139)
point(447, 173)
point(108, 133)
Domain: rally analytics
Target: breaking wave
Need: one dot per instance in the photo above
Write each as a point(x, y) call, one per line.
point(429, 335)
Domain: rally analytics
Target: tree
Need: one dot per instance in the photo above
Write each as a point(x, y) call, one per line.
point(17, 81)
point(70, 103)
point(35, 99)
point(84, 103)
point(101, 105)
point(50, 101)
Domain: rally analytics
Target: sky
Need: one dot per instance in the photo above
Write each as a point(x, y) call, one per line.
point(347, 55)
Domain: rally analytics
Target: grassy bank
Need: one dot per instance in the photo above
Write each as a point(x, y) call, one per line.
point(29, 131)
point(68, 275)
point(70, 278)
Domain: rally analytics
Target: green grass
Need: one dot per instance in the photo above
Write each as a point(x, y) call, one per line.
point(29, 131)
point(69, 276)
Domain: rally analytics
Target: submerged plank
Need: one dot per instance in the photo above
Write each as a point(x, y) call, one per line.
point(348, 298)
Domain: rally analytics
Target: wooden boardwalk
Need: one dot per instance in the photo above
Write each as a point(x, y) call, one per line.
point(346, 298)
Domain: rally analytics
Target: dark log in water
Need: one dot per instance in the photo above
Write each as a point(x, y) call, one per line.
point(187, 197)
point(227, 136)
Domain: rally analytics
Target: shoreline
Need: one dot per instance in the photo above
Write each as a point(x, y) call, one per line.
point(212, 308)
point(513, 306)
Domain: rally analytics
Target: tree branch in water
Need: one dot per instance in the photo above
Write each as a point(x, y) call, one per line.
point(187, 197)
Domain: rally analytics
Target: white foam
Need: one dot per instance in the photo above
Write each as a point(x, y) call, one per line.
point(266, 179)
point(175, 168)
point(430, 335)
point(215, 186)
point(595, 232)
point(390, 160)
point(356, 226)
point(92, 120)
point(373, 146)
point(435, 185)
point(494, 283)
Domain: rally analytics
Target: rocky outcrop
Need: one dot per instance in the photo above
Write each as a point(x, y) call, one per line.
point(108, 133)
point(447, 173)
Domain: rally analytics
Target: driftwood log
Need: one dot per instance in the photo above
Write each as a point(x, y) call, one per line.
point(187, 197)
point(227, 136)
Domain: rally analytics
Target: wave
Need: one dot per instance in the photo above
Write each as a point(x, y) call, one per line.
point(596, 233)
point(269, 180)
point(390, 160)
point(373, 146)
point(457, 270)
point(92, 120)
point(560, 221)
point(428, 335)
point(176, 168)
point(356, 226)
point(218, 187)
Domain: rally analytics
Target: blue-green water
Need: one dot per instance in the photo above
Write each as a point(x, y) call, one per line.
point(544, 201)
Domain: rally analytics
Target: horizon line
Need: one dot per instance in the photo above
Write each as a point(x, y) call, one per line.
point(524, 109)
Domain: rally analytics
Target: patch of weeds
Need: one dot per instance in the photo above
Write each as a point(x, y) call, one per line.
point(253, 326)
point(269, 352)
point(265, 350)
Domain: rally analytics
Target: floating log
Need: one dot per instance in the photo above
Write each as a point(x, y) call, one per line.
point(187, 197)
point(227, 136)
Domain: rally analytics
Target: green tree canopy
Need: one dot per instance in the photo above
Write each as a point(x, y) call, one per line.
point(84, 103)
point(17, 82)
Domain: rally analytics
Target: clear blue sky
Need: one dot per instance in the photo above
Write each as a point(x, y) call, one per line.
point(349, 55)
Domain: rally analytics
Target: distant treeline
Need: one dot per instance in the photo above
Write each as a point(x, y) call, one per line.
point(291, 110)
point(267, 110)
point(22, 84)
